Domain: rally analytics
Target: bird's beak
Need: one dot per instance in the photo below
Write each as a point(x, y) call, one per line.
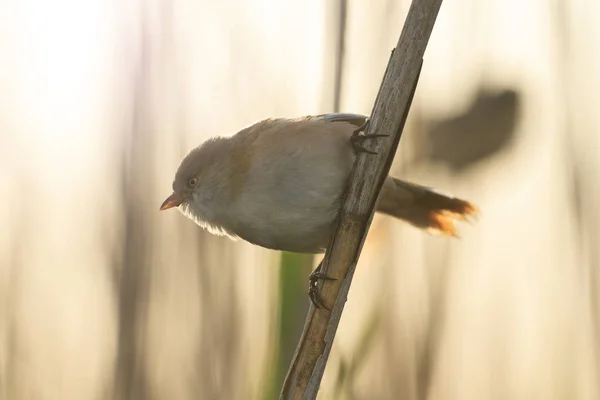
point(172, 201)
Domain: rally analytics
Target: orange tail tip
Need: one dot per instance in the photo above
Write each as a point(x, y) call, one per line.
point(442, 221)
point(464, 212)
point(441, 224)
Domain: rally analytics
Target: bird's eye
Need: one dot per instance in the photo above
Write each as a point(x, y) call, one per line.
point(192, 182)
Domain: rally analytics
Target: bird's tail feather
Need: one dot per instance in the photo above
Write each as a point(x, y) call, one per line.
point(423, 207)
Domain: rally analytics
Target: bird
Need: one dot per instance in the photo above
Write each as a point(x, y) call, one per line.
point(279, 183)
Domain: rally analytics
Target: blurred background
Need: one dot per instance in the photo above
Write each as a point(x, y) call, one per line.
point(104, 297)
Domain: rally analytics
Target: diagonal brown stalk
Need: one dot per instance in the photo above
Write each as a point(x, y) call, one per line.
point(387, 117)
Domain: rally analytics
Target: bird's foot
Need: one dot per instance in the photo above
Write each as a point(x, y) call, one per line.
point(358, 140)
point(313, 288)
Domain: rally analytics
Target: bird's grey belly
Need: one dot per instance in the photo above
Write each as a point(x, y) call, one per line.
point(299, 230)
point(303, 240)
point(295, 215)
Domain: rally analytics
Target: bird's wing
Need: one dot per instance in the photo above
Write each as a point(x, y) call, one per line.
point(355, 119)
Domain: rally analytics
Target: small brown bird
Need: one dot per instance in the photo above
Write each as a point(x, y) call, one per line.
point(279, 184)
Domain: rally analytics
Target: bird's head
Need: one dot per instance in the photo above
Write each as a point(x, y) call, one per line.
point(198, 177)
point(186, 182)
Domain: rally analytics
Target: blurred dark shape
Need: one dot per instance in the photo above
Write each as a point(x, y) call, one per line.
point(131, 272)
point(484, 129)
point(222, 335)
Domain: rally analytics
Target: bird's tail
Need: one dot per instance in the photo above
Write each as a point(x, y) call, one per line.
point(423, 207)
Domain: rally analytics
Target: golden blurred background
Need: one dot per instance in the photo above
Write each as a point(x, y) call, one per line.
point(104, 297)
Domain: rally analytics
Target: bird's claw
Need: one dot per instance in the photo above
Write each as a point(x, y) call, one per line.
point(362, 128)
point(313, 293)
point(358, 140)
point(313, 288)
